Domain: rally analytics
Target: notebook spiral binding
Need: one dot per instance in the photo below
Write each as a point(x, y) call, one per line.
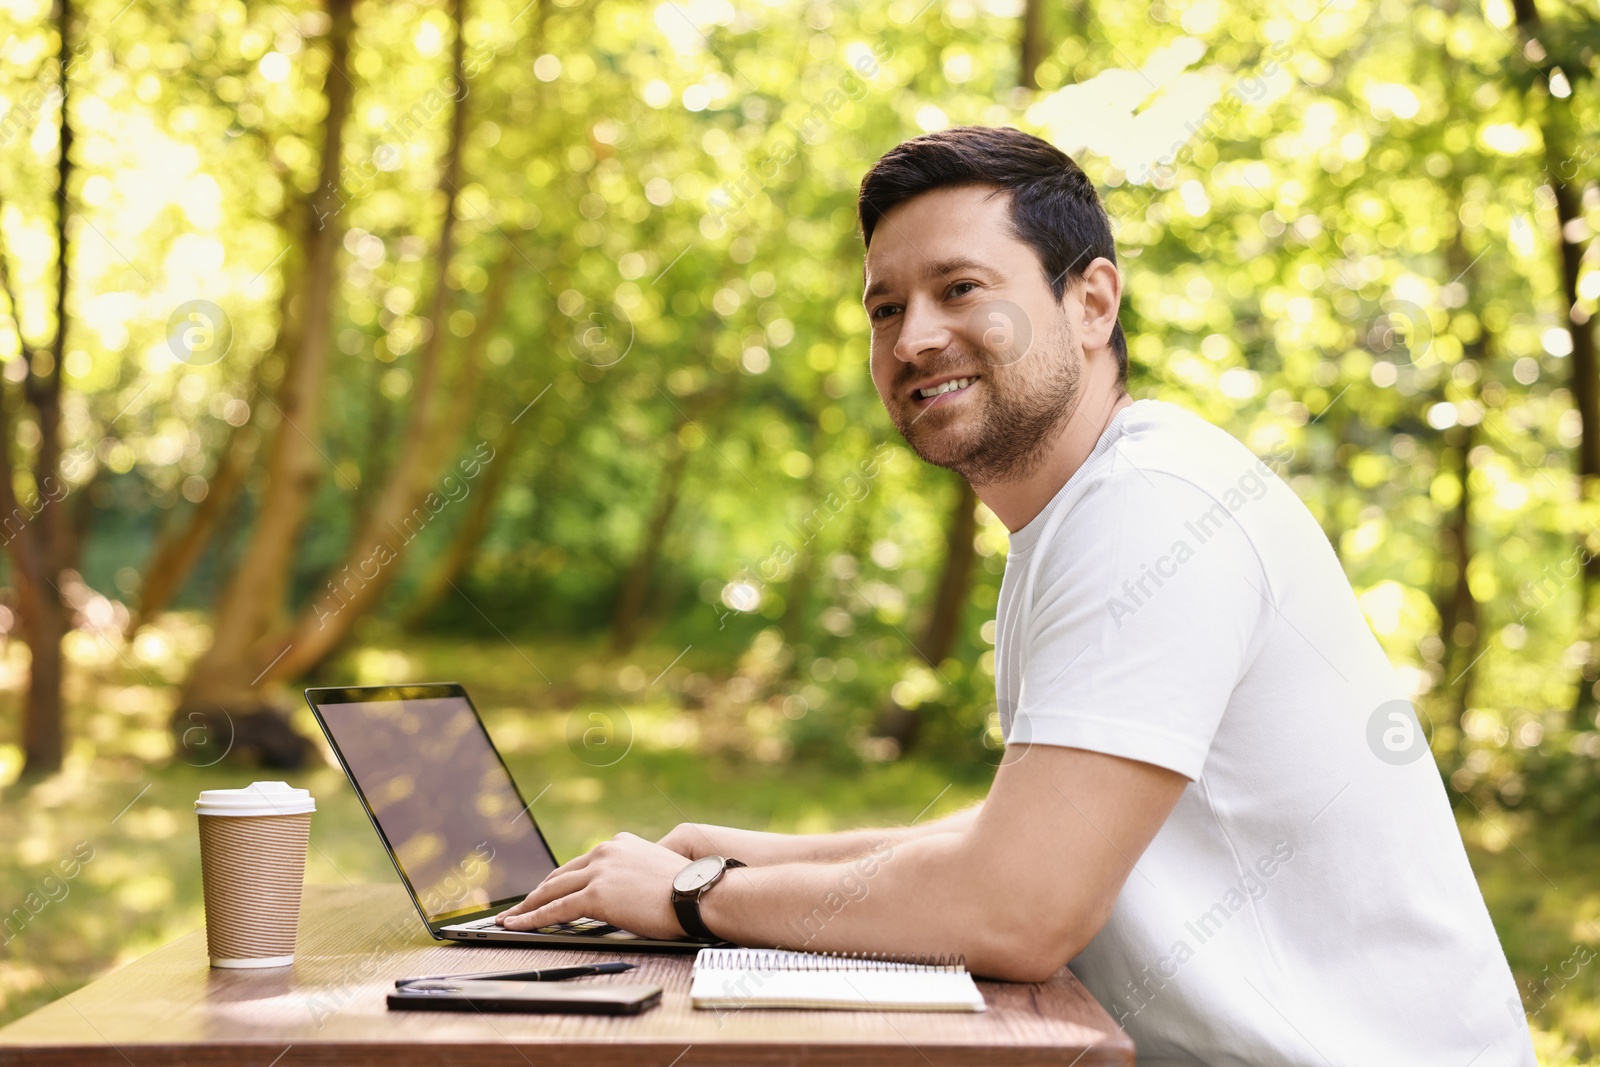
point(780, 960)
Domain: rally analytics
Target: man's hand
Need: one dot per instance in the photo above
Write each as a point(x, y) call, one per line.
point(626, 882)
point(692, 840)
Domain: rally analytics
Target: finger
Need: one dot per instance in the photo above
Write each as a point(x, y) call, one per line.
point(562, 910)
point(577, 863)
point(534, 899)
point(552, 888)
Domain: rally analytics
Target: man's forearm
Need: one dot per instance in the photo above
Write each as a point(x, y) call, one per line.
point(851, 844)
point(1019, 891)
point(765, 849)
point(906, 897)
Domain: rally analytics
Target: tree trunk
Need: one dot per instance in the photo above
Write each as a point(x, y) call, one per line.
point(458, 557)
point(253, 600)
point(39, 545)
point(636, 586)
point(374, 461)
point(1555, 126)
point(944, 619)
point(466, 400)
point(469, 535)
point(1031, 44)
point(797, 614)
point(44, 731)
point(1459, 625)
point(950, 600)
point(407, 502)
point(802, 576)
point(1083, 16)
point(1458, 609)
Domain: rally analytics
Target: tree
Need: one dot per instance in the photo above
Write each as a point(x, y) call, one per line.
point(40, 544)
point(429, 440)
point(457, 558)
point(955, 579)
point(1554, 113)
point(1031, 43)
point(945, 613)
point(253, 598)
point(636, 582)
point(1460, 627)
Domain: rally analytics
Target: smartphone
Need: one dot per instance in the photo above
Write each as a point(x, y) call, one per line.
point(564, 998)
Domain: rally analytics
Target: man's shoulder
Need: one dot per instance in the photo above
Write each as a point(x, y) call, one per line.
point(1169, 474)
point(1159, 437)
point(1164, 457)
point(1164, 465)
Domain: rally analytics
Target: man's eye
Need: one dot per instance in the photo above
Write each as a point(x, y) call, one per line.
point(883, 311)
point(962, 288)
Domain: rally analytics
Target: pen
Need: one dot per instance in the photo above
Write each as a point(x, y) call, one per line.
point(547, 974)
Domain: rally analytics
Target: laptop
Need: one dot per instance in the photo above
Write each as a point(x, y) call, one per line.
point(457, 828)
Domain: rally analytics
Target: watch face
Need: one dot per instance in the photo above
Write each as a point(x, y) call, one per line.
point(697, 874)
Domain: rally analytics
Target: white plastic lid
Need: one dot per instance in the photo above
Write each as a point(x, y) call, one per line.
point(258, 798)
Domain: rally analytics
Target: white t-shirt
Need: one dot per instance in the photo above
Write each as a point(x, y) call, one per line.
point(1309, 900)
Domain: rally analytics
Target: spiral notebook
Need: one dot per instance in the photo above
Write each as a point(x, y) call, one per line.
point(737, 978)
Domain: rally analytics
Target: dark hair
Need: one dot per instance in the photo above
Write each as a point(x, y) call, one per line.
point(1054, 208)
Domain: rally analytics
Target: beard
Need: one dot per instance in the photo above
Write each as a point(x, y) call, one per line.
point(1016, 415)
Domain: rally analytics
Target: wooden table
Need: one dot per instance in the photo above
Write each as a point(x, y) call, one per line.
point(171, 1008)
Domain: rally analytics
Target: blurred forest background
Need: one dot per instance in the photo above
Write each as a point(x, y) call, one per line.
point(519, 342)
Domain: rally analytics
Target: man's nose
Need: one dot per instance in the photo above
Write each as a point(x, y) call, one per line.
point(924, 331)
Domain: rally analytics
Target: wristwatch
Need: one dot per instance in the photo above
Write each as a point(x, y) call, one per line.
point(690, 885)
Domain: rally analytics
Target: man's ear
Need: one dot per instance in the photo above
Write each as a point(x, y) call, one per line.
point(1100, 287)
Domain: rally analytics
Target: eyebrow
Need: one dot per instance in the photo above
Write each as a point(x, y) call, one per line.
point(941, 269)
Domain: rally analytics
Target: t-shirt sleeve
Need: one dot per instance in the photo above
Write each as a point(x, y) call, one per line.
point(1147, 606)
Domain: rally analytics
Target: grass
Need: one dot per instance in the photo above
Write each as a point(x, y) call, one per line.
point(610, 746)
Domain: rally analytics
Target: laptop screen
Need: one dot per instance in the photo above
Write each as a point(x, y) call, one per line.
point(441, 797)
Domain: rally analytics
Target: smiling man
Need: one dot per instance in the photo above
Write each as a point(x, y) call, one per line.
point(1216, 803)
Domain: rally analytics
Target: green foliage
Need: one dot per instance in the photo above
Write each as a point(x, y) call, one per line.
point(1337, 235)
point(1336, 222)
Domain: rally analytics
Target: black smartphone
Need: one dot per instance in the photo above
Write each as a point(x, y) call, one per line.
point(564, 998)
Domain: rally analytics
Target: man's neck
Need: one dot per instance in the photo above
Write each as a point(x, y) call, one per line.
point(1017, 502)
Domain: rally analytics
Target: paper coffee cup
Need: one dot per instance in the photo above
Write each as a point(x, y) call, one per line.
point(252, 866)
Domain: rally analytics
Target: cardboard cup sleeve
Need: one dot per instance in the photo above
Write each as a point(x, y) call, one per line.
point(253, 869)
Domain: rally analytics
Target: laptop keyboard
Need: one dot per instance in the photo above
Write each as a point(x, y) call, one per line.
point(591, 927)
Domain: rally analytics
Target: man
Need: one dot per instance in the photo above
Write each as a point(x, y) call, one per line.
point(1216, 803)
